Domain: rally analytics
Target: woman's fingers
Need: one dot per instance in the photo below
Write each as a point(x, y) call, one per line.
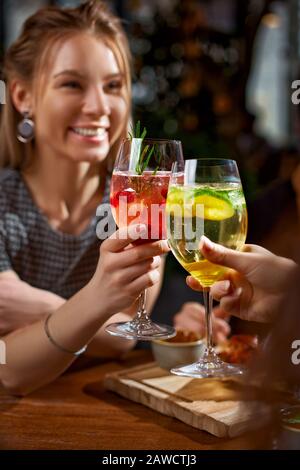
point(232, 304)
point(123, 237)
point(220, 313)
point(143, 282)
point(192, 317)
point(237, 299)
point(190, 324)
point(220, 289)
point(132, 272)
point(140, 253)
point(242, 261)
point(221, 330)
point(119, 244)
point(194, 284)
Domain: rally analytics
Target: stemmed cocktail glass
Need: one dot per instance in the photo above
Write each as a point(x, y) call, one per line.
point(205, 198)
point(139, 190)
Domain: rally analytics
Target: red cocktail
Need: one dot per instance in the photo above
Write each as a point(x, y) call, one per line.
point(140, 199)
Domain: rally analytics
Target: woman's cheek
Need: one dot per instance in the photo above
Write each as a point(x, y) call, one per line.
point(119, 113)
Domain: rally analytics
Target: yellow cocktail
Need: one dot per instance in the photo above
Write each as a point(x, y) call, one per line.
point(217, 211)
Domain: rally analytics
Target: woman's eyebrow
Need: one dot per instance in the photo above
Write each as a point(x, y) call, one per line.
point(115, 75)
point(69, 72)
point(78, 74)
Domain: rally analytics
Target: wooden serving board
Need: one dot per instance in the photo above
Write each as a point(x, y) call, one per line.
point(212, 405)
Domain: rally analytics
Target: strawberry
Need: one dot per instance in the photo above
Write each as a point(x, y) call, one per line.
point(129, 194)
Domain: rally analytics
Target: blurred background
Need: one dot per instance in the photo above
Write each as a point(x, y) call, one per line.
point(216, 74)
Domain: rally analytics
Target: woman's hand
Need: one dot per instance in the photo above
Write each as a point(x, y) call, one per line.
point(256, 286)
point(192, 317)
point(125, 270)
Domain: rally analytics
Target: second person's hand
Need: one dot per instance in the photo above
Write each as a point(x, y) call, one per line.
point(256, 286)
point(192, 317)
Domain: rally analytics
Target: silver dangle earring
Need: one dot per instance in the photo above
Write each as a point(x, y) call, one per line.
point(25, 129)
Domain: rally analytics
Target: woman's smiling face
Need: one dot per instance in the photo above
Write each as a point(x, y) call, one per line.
point(82, 108)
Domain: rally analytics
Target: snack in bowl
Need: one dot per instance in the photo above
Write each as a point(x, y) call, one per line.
point(183, 348)
point(238, 349)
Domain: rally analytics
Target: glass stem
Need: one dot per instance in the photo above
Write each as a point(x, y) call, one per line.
point(208, 303)
point(142, 313)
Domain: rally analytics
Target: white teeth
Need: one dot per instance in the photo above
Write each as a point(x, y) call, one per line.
point(89, 132)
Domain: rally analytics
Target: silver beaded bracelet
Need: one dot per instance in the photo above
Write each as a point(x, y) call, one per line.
point(74, 353)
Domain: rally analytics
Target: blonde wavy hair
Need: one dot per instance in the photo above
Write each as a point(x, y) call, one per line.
point(28, 57)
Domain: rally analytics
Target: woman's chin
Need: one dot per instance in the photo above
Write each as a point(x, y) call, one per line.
point(89, 156)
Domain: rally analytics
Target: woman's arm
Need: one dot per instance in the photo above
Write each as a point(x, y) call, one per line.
point(21, 304)
point(32, 360)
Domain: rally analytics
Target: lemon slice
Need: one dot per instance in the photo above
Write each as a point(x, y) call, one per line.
point(214, 207)
point(180, 210)
point(176, 205)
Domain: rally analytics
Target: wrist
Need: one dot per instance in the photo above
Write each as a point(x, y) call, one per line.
point(51, 303)
point(99, 309)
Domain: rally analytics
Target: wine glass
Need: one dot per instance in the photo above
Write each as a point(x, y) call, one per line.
point(139, 190)
point(205, 198)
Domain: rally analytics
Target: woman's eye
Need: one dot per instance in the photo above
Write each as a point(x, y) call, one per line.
point(115, 85)
point(71, 84)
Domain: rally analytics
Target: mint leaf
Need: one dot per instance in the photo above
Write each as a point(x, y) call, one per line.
point(211, 192)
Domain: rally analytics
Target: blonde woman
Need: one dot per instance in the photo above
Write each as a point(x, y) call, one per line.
point(68, 105)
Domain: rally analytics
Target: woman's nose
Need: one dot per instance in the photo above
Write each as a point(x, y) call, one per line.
point(96, 103)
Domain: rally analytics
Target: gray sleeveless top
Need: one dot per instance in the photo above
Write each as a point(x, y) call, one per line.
point(42, 256)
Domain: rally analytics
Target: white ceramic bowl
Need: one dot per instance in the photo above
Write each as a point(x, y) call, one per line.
point(171, 354)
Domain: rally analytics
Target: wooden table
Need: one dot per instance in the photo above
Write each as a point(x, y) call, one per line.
point(75, 412)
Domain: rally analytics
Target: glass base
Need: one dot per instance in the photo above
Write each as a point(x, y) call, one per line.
point(145, 331)
point(209, 366)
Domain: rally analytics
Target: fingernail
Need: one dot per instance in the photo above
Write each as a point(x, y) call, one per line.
point(154, 276)
point(225, 286)
point(165, 245)
point(156, 261)
point(237, 292)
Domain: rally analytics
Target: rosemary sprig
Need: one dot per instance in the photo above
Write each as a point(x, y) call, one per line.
point(145, 159)
point(145, 156)
point(158, 157)
point(135, 133)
